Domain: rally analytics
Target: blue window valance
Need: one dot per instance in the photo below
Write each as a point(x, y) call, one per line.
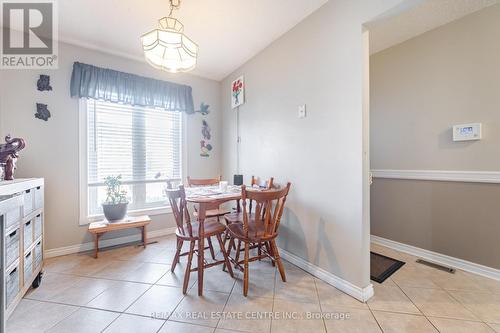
point(113, 86)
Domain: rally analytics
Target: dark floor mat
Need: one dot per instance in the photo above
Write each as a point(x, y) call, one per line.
point(381, 267)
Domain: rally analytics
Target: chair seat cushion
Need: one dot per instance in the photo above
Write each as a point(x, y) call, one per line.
point(212, 227)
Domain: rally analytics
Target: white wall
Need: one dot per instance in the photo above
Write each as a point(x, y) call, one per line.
point(52, 147)
point(318, 63)
point(422, 87)
point(419, 89)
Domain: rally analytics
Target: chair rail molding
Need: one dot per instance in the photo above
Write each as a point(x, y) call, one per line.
point(440, 175)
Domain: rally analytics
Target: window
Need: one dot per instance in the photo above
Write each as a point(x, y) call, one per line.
point(142, 144)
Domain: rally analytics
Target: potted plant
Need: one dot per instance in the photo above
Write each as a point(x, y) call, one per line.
point(115, 206)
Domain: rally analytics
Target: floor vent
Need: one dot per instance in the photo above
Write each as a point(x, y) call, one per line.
point(436, 266)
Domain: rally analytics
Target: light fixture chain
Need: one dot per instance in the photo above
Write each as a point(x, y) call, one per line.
point(174, 4)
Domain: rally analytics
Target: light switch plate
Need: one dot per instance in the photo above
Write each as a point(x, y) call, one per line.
point(302, 111)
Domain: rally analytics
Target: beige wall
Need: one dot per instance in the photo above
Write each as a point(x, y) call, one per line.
point(52, 147)
point(452, 218)
point(318, 63)
point(419, 89)
point(422, 87)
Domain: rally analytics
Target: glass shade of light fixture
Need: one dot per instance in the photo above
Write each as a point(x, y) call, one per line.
point(168, 48)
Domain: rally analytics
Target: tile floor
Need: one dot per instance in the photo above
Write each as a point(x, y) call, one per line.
point(131, 289)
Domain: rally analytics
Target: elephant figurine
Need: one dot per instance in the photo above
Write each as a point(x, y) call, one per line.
point(9, 154)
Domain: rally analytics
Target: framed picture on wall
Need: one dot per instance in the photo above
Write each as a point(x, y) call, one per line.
point(238, 92)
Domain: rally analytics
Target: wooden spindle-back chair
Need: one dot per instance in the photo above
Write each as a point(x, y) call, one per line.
point(261, 227)
point(212, 211)
point(203, 181)
point(215, 211)
point(187, 231)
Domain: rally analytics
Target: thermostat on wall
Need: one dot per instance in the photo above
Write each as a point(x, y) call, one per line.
point(467, 132)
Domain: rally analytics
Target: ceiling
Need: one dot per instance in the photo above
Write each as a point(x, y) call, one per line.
point(423, 16)
point(228, 32)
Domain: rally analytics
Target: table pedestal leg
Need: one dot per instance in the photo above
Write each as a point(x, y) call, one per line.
point(201, 247)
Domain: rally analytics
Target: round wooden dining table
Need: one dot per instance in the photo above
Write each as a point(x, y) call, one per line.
point(205, 197)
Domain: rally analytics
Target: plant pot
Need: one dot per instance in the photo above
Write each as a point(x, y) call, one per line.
point(114, 212)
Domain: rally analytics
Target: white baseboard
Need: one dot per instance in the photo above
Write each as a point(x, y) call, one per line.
point(361, 294)
point(439, 258)
point(440, 175)
point(61, 251)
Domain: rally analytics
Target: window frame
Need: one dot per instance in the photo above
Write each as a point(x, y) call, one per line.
point(84, 218)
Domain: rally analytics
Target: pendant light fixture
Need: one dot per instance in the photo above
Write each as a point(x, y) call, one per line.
point(167, 47)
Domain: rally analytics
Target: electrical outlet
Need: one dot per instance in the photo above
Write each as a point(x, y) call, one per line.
point(302, 111)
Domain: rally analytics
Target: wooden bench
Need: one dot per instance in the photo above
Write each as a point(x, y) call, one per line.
point(100, 228)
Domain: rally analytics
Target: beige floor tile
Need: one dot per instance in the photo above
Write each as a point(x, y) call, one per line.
point(88, 266)
point(479, 296)
point(164, 241)
point(496, 327)
point(490, 284)
point(82, 292)
point(259, 285)
point(138, 254)
point(118, 269)
point(403, 323)
point(133, 324)
point(198, 310)
point(294, 317)
point(176, 327)
point(119, 297)
point(414, 276)
point(35, 316)
point(299, 286)
point(445, 325)
point(158, 302)
point(242, 314)
point(63, 263)
point(457, 281)
point(85, 321)
point(331, 296)
point(176, 279)
point(221, 330)
point(164, 256)
point(434, 302)
point(52, 284)
point(350, 320)
point(391, 299)
point(486, 306)
point(113, 252)
point(215, 279)
point(263, 267)
point(147, 273)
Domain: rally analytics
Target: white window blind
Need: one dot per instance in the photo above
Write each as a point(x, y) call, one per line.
point(141, 144)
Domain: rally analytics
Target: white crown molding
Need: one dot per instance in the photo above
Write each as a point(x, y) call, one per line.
point(440, 175)
point(61, 251)
point(439, 258)
point(361, 294)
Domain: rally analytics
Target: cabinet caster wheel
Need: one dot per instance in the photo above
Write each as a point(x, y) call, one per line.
point(37, 281)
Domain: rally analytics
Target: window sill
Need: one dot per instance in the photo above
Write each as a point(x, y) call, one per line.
point(146, 211)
